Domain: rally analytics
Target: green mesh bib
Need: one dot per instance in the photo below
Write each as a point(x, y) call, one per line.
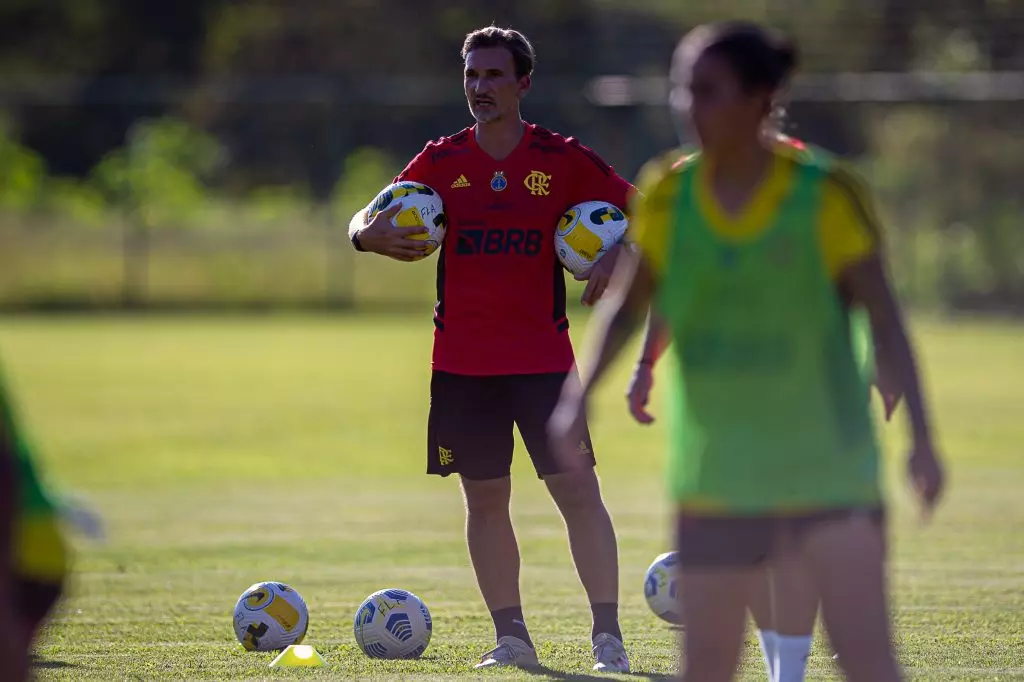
point(863, 344)
point(32, 497)
point(769, 409)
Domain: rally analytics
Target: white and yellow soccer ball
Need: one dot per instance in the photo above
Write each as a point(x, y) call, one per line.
point(270, 616)
point(586, 232)
point(660, 587)
point(421, 207)
point(393, 623)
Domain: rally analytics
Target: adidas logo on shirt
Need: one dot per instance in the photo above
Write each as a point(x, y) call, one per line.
point(461, 181)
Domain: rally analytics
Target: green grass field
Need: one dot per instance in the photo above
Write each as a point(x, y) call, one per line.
point(224, 452)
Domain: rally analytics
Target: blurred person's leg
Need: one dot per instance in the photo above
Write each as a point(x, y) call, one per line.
point(795, 601)
point(35, 558)
point(845, 552)
point(762, 610)
point(41, 565)
point(722, 572)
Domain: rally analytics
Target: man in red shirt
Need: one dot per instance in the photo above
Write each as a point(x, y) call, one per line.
point(501, 342)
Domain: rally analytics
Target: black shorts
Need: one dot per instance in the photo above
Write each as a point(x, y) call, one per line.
point(35, 599)
point(469, 431)
point(705, 541)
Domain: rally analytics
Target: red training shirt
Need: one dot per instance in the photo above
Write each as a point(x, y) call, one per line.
point(500, 287)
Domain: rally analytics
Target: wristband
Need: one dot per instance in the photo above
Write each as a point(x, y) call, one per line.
point(356, 244)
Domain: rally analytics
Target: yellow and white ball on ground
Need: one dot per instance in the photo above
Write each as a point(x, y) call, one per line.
point(421, 207)
point(270, 616)
point(586, 232)
point(393, 623)
point(660, 587)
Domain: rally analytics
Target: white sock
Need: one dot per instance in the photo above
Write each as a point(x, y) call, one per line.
point(769, 640)
point(792, 652)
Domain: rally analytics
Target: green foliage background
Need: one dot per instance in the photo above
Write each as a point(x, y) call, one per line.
point(208, 152)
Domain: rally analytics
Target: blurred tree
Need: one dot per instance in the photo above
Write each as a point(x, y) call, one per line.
point(22, 173)
point(95, 42)
point(283, 87)
point(361, 49)
point(159, 172)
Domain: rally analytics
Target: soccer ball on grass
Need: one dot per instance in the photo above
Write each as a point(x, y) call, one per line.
point(270, 616)
point(393, 624)
point(660, 587)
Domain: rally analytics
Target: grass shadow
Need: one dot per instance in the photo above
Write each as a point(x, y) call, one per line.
point(50, 664)
point(586, 677)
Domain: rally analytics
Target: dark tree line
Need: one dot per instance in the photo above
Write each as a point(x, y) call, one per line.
point(311, 66)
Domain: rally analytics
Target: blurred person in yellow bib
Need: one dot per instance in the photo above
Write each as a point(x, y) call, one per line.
point(785, 608)
point(33, 554)
point(773, 454)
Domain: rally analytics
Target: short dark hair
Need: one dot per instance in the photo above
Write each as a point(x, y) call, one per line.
point(761, 57)
point(523, 56)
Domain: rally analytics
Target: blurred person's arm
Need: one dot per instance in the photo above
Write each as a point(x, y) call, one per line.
point(630, 293)
point(854, 257)
point(632, 288)
point(656, 340)
point(650, 214)
point(867, 282)
point(853, 232)
point(627, 300)
point(870, 286)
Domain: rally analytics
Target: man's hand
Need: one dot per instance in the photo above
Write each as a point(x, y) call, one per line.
point(926, 475)
point(640, 392)
point(381, 236)
point(599, 275)
point(567, 426)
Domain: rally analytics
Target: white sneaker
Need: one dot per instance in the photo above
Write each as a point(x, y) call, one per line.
point(510, 651)
point(610, 654)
